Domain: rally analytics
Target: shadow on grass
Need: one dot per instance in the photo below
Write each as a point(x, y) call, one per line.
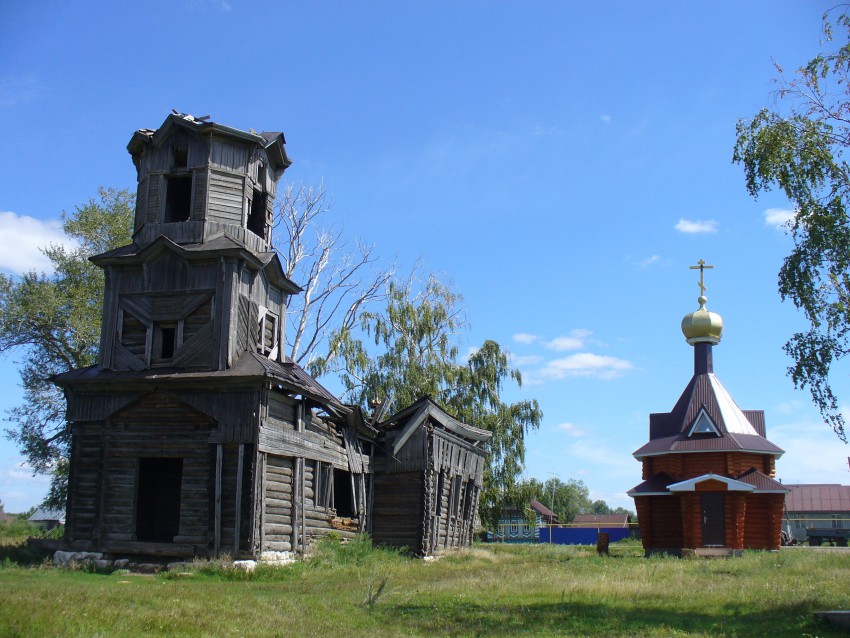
point(462, 619)
point(23, 554)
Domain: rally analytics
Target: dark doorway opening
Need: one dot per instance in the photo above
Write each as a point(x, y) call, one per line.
point(158, 499)
point(713, 519)
point(343, 494)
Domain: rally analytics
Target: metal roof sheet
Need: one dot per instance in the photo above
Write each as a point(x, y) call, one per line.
point(654, 485)
point(818, 497)
point(761, 481)
point(541, 509)
point(681, 443)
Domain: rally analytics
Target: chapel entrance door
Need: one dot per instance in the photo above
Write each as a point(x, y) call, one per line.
point(713, 519)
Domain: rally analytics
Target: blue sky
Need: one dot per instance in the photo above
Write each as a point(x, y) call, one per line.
point(562, 163)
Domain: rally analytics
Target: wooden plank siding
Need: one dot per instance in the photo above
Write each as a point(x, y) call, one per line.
point(226, 201)
point(397, 510)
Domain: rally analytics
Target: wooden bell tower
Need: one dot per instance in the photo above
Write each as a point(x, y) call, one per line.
point(199, 285)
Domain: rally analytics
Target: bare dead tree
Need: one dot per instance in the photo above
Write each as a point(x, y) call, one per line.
point(337, 282)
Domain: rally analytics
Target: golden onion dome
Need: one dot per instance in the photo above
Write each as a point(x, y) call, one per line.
point(702, 326)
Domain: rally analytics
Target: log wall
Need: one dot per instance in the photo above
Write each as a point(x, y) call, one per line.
point(660, 520)
point(763, 525)
point(685, 466)
point(156, 426)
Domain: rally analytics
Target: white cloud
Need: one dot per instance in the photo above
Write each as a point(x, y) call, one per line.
point(571, 428)
point(585, 364)
point(606, 119)
point(471, 350)
point(539, 131)
point(523, 337)
point(779, 218)
point(646, 263)
point(691, 227)
point(21, 237)
point(19, 489)
point(813, 453)
point(574, 341)
point(525, 360)
point(23, 472)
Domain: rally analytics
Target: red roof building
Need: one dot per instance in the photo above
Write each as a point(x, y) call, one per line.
point(708, 468)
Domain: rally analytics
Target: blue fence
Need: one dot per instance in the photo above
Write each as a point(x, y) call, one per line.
point(580, 535)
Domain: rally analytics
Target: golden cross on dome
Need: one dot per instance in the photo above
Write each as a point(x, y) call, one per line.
point(701, 266)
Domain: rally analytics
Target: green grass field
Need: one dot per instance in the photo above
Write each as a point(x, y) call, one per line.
point(491, 590)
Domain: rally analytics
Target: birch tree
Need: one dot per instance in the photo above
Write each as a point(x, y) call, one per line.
point(338, 280)
point(800, 147)
point(409, 349)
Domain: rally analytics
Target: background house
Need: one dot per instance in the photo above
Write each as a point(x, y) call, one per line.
point(47, 518)
point(514, 526)
point(817, 505)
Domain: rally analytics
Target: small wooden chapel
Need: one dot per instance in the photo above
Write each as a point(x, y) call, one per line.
point(709, 471)
point(194, 435)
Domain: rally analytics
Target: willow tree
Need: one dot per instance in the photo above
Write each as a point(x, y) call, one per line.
point(409, 350)
point(799, 147)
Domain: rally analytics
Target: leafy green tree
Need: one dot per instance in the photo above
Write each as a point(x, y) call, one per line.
point(566, 499)
point(413, 353)
point(800, 148)
point(53, 321)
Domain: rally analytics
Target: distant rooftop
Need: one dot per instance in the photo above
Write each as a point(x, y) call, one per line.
point(818, 497)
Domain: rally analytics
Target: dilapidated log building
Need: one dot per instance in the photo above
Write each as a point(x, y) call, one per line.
point(194, 435)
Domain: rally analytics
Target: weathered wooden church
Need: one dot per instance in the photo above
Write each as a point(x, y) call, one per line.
point(709, 472)
point(194, 435)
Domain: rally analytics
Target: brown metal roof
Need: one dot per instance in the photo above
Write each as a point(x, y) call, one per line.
point(654, 485)
point(818, 497)
point(737, 430)
point(604, 520)
point(681, 443)
point(761, 481)
point(544, 511)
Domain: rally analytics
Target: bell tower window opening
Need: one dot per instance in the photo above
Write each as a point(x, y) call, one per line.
point(181, 156)
point(257, 214)
point(178, 198)
point(165, 342)
point(259, 204)
point(269, 335)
